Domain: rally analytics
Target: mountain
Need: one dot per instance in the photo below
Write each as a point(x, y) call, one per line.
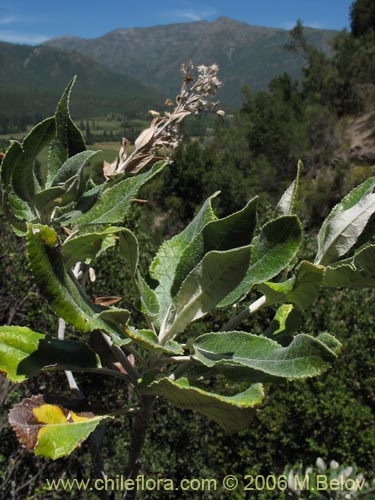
point(33, 78)
point(246, 54)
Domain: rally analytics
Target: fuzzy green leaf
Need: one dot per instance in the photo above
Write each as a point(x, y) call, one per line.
point(258, 358)
point(86, 247)
point(129, 249)
point(273, 250)
point(163, 267)
point(288, 201)
point(357, 272)
point(68, 140)
point(344, 229)
point(59, 287)
point(147, 302)
point(148, 340)
point(345, 223)
point(23, 176)
point(233, 231)
point(116, 199)
point(286, 322)
point(211, 280)
point(73, 166)
point(302, 289)
point(232, 413)
point(24, 353)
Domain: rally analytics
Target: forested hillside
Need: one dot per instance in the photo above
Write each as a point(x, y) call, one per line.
point(32, 79)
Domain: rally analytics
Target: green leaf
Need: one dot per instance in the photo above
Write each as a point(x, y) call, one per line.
point(57, 196)
point(257, 358)
point(288, 201)
point(148, 302)
point(212, 279)
point(115, 199)
point(148, 340)
point(357, 272)
point(15, 209)
point(73, 166)
point(232, 413)
point(59, 287)
point(273, 250)
point(129, 249)
point(18, 182)
point(49, 429)
point(24, 353)
point(233, 231)
point(346, 222)
point(163, 267)
point(86, 247)
point(68, 140)
point(302, 289)
point(23, 176)
point(83, 205)
point(286, 322)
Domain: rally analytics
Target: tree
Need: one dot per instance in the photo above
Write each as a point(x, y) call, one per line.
point(362, 17)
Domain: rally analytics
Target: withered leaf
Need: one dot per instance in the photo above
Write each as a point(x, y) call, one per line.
point(51, 430)
point(107, 301)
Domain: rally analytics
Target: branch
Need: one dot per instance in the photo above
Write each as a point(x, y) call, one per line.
point(251, 309)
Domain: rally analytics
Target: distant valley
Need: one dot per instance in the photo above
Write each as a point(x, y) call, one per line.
point(133, 70)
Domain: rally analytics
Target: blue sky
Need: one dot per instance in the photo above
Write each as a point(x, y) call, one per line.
point(34, 21)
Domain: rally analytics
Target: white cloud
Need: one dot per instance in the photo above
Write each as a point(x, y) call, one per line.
point(192, 14)
point(7, 20)
point(14, 37)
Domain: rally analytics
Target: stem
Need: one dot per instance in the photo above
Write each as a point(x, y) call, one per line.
point(73, 386)
point(181, 370)
point(248, 311)
point(137, 440)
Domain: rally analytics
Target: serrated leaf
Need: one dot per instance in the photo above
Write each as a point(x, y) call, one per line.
point(212, 279)
point(273, 250)
point(68, 140)
point(58, 286)
point(115, 200)
point(24, 353)
point(15, 209)
point(343, 230)
point(257, 358)
point(232, 413)
point(357, 272)
point(23, 176)
point(288, 201)
point(149, 340)
point(49, 429)
point(233, 231)
point(302, 289)
point(164, 265)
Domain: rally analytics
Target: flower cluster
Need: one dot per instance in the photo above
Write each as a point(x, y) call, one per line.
point(164, 134)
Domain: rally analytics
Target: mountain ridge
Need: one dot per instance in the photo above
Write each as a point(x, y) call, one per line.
point(246, 54)
point(33, 78)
